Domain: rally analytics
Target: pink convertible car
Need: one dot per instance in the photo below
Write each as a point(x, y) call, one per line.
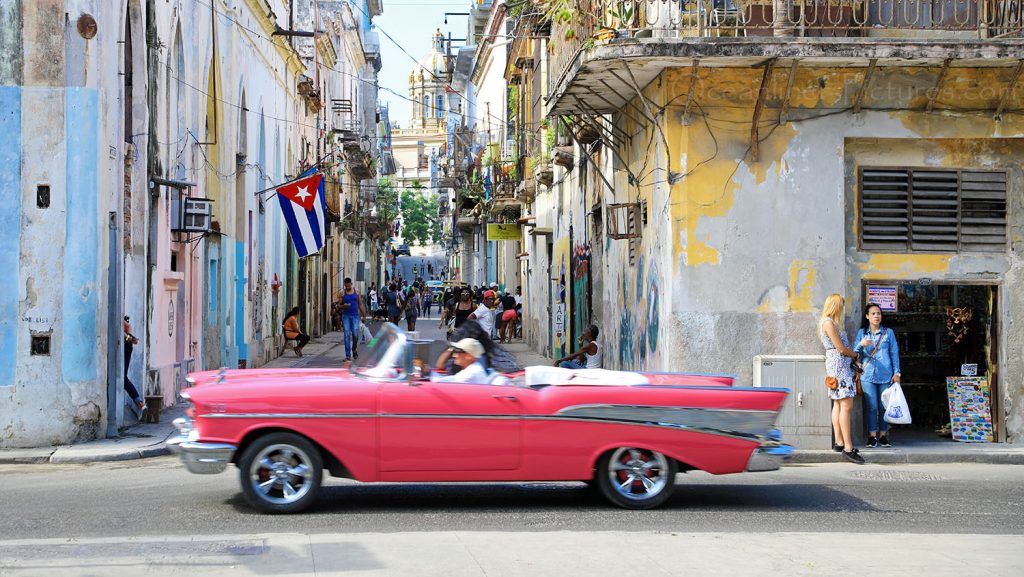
point(626, 433)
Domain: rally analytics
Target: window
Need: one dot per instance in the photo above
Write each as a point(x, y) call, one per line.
point(426, 107)
point(932, 210)
point(440, 106)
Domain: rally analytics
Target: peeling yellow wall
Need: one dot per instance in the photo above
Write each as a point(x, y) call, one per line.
point(896, 266)
point(715, 140)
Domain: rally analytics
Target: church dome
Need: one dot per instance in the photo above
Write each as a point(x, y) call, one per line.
point(434, 61)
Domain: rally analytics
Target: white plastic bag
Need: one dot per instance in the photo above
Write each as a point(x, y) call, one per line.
point(897, 411)
point(365, 333)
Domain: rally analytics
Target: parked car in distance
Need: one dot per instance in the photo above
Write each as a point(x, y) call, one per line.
point(403, 250)
point(626, 433)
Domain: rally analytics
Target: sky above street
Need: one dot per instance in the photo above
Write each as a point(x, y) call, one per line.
point(412, 24)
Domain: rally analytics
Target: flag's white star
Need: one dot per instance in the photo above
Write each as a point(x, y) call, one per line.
point(303, 193)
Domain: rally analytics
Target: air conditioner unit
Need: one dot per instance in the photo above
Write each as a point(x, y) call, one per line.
point(805, 419)
point(191, 214)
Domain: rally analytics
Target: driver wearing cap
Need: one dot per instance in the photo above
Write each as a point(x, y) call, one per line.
point(467, 354)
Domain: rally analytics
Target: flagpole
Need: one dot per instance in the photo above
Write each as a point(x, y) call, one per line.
point(296, 179)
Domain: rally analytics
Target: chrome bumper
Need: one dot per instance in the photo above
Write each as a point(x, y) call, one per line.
point(769, 457)
point(199, 458)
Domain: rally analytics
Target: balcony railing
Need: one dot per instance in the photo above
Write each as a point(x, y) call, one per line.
point(598, 21)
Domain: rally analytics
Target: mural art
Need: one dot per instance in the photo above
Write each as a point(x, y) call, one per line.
point(639, 320)
point(581, 295)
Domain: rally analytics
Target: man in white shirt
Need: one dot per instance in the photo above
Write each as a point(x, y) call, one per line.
point(484, 314)
point(468, 354)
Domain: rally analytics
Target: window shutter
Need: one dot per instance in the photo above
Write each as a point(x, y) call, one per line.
point(983, 211)
point(932, 210)
point(885, 210)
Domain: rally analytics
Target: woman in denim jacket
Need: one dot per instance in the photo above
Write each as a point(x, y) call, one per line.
point(880, 357)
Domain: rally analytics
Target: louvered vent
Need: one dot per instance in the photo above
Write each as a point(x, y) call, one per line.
point(932, 210)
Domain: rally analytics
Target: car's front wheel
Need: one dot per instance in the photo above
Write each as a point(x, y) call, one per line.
point(281, 473)
point(636, 478)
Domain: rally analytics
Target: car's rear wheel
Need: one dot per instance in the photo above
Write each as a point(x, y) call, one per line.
point(281, 473)
point(636, 478)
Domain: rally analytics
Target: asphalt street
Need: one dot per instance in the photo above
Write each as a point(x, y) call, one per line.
point(152, 517)
point(158, 497)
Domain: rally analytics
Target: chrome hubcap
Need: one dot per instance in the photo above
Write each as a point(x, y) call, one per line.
point(281, 474)
point(638, 474)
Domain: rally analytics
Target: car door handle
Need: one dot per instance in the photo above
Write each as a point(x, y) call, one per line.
point(506, 397)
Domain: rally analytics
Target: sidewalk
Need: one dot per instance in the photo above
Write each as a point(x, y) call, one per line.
point(147, 440)
point(143, 440)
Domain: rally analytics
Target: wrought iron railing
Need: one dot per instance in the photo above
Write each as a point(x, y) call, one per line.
point(596, 21)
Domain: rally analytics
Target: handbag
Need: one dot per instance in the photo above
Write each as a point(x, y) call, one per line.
point(858, 370)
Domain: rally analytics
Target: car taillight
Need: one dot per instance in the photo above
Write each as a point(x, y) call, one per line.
point(190, 412)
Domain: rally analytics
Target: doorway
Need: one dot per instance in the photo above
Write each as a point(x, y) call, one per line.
point(943, 330)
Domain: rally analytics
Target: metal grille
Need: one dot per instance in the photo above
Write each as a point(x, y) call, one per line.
point(932, 210)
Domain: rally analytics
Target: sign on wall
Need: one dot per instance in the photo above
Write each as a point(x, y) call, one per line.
point(883, 296)
point(504, 232)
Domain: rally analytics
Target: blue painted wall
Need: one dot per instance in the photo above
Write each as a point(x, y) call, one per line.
point(10, 227)
point(240, 287)
point(81, 247)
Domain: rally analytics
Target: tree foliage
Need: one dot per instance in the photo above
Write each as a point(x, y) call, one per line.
point(419, 216)
point(387, 202)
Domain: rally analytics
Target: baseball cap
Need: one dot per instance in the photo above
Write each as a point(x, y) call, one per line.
point(494, 284)
point(471, 346)
point(488, 294)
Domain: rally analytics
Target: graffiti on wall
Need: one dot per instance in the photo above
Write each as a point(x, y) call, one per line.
point(581, 288)
point(562, 310)
point(639, 319)
point(256, 316)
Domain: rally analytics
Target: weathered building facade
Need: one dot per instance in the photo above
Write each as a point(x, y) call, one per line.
point(731, 169)
point(138, 146)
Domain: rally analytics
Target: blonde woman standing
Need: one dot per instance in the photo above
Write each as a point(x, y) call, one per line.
point(837, 364)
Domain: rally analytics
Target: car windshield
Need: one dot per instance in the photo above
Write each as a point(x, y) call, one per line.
point(385, 355)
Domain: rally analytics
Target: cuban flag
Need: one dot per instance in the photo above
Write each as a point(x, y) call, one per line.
point(304, 207)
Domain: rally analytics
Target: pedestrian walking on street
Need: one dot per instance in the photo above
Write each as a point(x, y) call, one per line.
point(352, 315)
point(838, 373)
point(509, 318)
point(588, 356)
point(412, 309)
point(880, 359)
point(293, 332)
point(428, 303)
point(130, 341)
point(457, 314)
point(394, 304)
point(484, 314)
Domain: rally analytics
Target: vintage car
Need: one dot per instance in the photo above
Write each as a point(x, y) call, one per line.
point(625, 433)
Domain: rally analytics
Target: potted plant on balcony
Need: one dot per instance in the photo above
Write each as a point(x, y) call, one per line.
point(621, 15)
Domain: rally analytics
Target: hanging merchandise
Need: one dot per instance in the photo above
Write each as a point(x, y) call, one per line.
point(956, 322)
point(897, 412)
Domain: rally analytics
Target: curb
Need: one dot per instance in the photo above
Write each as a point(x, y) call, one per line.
point(912, 458)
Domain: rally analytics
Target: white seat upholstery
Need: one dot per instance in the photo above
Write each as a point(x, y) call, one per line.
point(540, 375)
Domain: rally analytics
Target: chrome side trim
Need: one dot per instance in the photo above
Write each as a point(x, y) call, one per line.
point(743, 423)
point(289, 416)
point(750, 425)
point(440, 416)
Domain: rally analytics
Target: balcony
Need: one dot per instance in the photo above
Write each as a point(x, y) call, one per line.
point(359, 162)
point(612, 48)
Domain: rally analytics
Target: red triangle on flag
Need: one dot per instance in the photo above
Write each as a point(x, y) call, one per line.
point(302, 192)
